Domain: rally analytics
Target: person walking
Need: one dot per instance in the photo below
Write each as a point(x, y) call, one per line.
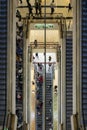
point(69, 7)
point(29, 8)
point(39, 8)
point(35, 43)
point(52, 7)
point(36, 7)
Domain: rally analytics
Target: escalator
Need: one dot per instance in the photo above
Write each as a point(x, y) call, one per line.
point(19, 75)
point(49, 102)
point(84, 62)
point(68, 79)
point(3, 62)
point(39, 113)
point(39, 99)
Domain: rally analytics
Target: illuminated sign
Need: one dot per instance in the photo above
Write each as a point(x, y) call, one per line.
point(43, 26)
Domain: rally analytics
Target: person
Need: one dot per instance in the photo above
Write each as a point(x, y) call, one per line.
point(55, 89)
point(33, 83)
point(49, 87)
point(39, 8)
point(33, 58)
point(19, 96)
point(50, 101)
point(29, 7)
point(20, 70)
point(38, 95)
point(40, 79)
point(18, 14)
point(39, 125)
point(69, 7)
point(50, 64)
point(49, 58)
point(37, 76)
point(49, 118)
point(35, 43)
point(40, 67)
point(37, 55)
point(36, 7)
point(39, 113)
point(39, 105)
point(52, 7)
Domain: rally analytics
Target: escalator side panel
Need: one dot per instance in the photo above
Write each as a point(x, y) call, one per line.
point(3, 60)
point(68, 79)
point(84, 62)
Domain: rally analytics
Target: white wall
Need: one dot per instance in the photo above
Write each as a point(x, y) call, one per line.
point(51, 35)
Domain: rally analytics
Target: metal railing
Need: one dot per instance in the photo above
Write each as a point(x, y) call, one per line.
point(40, 45)
point(45, 6)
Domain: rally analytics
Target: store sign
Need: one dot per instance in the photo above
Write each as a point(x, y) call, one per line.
point(43, 26)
